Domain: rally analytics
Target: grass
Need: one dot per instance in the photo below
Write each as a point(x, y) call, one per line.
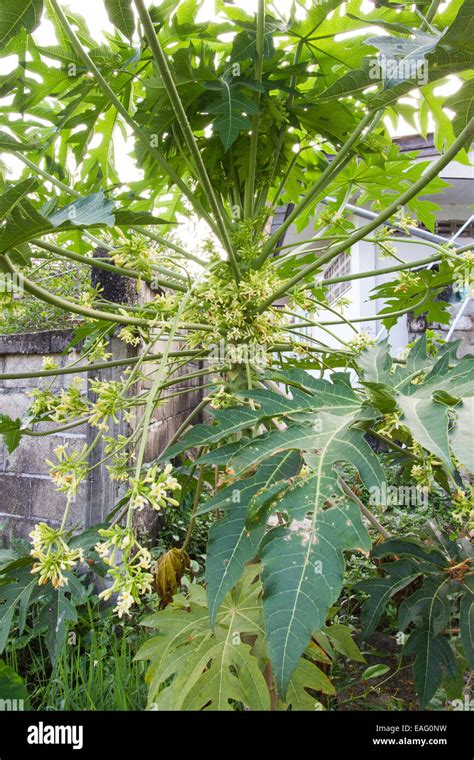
point(96, 670)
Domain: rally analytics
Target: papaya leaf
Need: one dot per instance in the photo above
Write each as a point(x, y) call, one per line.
point(462, 103)
point(430, 652)
point(12, 687)
point(23, 221)
point(375, 362)
point(430, 607)
point(121, 15)
point(375, 671)
point(430, 604)
point(341, 639)
point(11, 431)
point(244, 44)
point(380, 590)
point(302, 577)
point(333, 434)
point(15, 592)
point(13, 195)
point(194, 668)
point(231, 544)
point(306, 676)
point(22, 14)
point(8, 143)
point(229, 672)
point(460, 437)
point(93, 209)
point(410, 547)
point(428, 423)
point(466, 622)
point(232, 109)
point(336, 397)
point(57, 613)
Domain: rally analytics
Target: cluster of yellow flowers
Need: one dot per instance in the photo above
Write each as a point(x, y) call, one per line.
point(301, 298)
point(98, 351)
point(110, 401)
point(128, 565)
point(389, 424)
point(405, 281)
point(53, 555)
point(463, 272)
point(464, 503)
point(135, 254)
point(232, 309)
point(405, 221)
point(222, 399)
point(423, 472)
point(154, 489)
point(70, 469)
point(129, 335)
point(363, 340)
point(386, 249)
point(68, 404)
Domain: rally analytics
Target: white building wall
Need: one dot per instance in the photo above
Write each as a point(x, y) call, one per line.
point(456, 204)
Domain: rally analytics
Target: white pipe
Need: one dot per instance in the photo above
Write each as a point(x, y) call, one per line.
point(415, 231)
point(457, 318)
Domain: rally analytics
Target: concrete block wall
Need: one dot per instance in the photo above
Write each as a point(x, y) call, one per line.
point(27, 494)
point(464, 330)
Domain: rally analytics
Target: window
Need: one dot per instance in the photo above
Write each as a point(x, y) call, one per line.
point(450, 227)
point(446, 227)
point(339, 267)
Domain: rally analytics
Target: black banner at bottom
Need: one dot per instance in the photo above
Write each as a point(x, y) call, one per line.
point(376, 734)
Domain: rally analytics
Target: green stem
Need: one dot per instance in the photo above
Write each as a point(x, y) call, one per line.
point(197, 496)
point(66, 512)
point(386, 270)
point(169, 244)
point(60, 429)
point(368, 514)
point(67, 305)
point(250, 181)
point(107, 90)
point(334, 311)
point(181, 116)
point(69, 370)
point(100, 264)
point(328, 174)
point(394, 445)
point(382, 316)
point(431, 13)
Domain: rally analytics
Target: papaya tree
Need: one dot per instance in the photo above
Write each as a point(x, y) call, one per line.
point(228, 121)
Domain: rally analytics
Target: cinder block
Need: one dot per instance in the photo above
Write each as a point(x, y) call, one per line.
point(14, 527)
point(15, 494)
point(49, 504)
point(30, 455)
point(13, 404)
point(22, 363)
